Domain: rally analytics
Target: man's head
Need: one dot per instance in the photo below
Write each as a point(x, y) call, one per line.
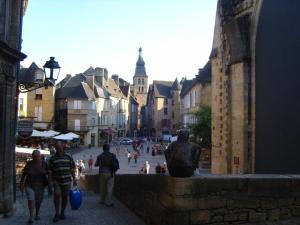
point(183, 135)
point(36, 155)
point(59, 147)
point(106, 147)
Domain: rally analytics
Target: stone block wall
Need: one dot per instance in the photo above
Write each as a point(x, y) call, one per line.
point(209, 199)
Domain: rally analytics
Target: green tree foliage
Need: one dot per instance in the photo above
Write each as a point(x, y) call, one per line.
point(202, 128)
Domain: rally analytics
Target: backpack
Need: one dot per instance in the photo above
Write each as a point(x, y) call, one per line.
point(115, 163)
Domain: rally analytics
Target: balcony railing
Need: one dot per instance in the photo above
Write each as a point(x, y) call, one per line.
point(78, 111)
point(78, 128)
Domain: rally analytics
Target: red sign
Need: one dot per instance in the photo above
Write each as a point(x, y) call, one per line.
point(236, 160)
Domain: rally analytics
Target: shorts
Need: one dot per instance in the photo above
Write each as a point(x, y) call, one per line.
point(34, 193)
point(61, 189)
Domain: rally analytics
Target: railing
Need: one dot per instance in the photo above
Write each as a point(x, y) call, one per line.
point(78, 128)
point(77, 111)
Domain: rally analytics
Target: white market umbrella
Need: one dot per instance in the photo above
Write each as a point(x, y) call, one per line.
point(70, 134)
point(64, 137)
point(36, 133)
point(50, 133)
point(30, 150)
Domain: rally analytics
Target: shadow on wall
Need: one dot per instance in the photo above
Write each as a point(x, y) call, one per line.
point(207, 199)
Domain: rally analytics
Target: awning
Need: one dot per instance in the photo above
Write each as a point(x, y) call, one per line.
point(70, 134)
point(109, 131)
point(63, 137)
point(45, 134)
point(30, 150)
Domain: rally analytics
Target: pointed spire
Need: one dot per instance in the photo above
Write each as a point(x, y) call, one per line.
point(140, 65)
point(176, 85)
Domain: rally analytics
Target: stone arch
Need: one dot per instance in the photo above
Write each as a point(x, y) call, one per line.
point(276, 87)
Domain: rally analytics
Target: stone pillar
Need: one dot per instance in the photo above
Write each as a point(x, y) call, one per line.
point(239, 118)
point(10, 56)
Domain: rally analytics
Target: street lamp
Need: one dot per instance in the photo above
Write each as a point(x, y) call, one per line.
point(51, 72)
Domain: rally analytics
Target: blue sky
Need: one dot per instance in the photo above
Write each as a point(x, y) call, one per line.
point(176, 35)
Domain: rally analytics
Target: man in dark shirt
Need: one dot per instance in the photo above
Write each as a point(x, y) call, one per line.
point(61, 172)
point(104, 161)
point(182, 157)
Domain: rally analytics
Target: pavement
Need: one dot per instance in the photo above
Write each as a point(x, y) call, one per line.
point(125, 168)
point(90, 213)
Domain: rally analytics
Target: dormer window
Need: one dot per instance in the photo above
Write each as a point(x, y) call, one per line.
point(39, 76)
point(39, 94)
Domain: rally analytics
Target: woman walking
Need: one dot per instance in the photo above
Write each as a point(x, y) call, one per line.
point(33, 181)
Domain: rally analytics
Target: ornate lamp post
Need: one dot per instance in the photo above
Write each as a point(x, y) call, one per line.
point(51, 73)
point(51, 70)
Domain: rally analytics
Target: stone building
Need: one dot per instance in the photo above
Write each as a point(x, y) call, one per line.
point(38, 104)
point(114, 118)
point(163, 107)
point(255, 87)
point(75, 110)
point(11, 14)
point(140, 84)
point(195, 93)
point(132, 108)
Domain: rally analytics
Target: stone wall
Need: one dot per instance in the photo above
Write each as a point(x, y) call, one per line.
point(208, 199)
point(10, 56)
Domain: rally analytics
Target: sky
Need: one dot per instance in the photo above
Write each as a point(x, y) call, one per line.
point(175, 35)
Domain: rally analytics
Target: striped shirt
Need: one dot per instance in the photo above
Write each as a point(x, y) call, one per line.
point(62, 168)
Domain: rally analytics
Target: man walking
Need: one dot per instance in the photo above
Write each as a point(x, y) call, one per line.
point(105, 163)
point(61, 171)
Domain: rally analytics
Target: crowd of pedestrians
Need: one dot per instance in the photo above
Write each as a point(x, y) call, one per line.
point(58, 173)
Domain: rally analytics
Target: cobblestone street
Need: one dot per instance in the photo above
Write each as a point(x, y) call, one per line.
point(90, 213)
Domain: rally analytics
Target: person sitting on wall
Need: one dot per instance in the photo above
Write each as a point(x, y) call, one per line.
point(182, 157)
point(158, 168)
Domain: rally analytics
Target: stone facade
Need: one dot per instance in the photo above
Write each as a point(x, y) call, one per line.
point(163, 107)
point(195, 93)
point(11, 13)
point(209, 199)
point(232, 129)
point(254, 91)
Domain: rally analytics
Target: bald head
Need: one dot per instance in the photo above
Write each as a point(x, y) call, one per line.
point(36, 155)
point(59, 147)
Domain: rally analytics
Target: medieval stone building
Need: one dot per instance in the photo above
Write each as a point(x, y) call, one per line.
point(255, 87)
point(11, 13)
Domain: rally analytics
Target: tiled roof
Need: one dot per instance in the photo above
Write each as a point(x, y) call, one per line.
point(204, 76)
point(113, 89)
point(176, 85)
point(75, 87)
point(125, 90)
point(100, 92)
point(162, 88)
point(186, 86)
point(27, 75)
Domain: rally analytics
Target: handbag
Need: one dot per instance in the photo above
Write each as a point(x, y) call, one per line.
point(75, 196)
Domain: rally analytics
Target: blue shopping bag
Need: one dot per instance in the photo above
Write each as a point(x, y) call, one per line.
point(75, 196)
